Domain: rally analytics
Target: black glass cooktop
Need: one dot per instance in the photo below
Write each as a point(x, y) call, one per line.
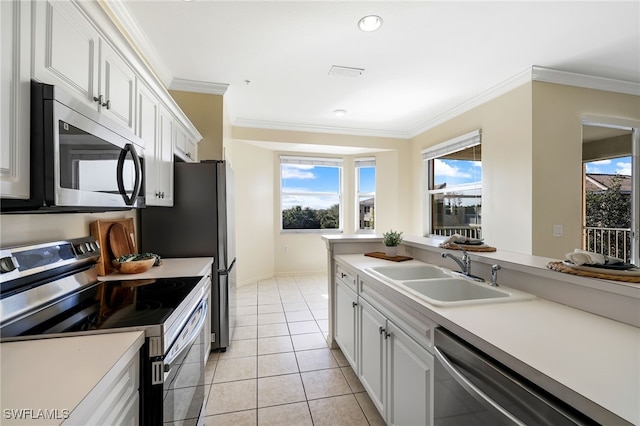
point(109, 305)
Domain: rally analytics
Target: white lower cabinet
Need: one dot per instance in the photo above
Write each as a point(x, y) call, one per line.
point(345, 320)
point(372, 361)
point(410, 380)
point(114, 401)
point(395, 370)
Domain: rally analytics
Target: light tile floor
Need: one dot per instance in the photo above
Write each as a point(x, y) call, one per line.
point(278, 369)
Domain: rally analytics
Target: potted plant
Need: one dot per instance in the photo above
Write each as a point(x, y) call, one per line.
point(391, 241)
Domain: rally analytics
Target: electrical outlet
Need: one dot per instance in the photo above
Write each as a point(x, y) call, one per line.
point(557, 230)
point(286, 248)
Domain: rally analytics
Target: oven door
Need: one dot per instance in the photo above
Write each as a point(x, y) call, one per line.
point(87, 164)
point(184, 388)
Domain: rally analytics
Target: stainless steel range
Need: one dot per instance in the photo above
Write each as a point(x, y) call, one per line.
point(52, 289)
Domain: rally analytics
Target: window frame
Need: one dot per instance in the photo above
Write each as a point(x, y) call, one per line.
point(430, 154)
point(362, 163)
point(313, 161)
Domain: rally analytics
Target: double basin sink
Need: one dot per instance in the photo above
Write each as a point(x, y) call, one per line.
point(442, 287)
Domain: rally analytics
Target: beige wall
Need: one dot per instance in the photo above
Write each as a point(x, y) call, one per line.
point(19, 229)
point(557, 159)
point(506, 167)
point(206, 113)
point(293, 253)
point(253, 169)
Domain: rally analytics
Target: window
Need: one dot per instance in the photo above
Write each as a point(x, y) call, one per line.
point(609, 188)
point(365, 193)
point(310, 193)
point(453, 182)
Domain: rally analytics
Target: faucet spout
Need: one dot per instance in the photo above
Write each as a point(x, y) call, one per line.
point(463, 263)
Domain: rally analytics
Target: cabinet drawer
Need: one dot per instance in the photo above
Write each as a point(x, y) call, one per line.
point(346, 276)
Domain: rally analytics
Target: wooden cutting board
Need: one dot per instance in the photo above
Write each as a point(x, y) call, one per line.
point(120, 241)
point(100, 231)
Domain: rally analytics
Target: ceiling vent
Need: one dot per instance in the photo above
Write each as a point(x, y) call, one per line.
point(346, 71)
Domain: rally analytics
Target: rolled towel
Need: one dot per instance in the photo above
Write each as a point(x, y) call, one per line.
point(461, 239)
point(582, 257)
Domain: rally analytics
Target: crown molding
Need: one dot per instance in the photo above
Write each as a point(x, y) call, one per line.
point(483, 97)
point(534, 73)
point(129, 25)
point(549, 75)
point(298, 127)
point(198, 86)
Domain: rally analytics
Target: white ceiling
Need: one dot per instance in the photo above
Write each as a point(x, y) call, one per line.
point(427, 58)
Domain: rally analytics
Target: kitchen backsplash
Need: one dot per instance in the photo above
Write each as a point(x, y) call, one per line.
point(17, 229)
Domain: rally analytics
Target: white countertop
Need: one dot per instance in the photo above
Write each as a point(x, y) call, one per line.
point(170, 268)
point(596, 357)
point(57, 373)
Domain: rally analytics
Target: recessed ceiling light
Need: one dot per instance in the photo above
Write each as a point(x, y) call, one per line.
point(340, 112)
point(370, 23)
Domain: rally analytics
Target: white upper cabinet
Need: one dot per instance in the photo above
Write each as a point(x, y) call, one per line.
point(70, 53)
point(117, 85)
point(15, 43)
point(66, 50)
point(185, 148)
point(154, 126)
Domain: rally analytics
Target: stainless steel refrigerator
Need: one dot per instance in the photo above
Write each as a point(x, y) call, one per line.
point(200, 224)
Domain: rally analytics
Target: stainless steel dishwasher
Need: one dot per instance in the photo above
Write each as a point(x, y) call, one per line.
point(473, 389)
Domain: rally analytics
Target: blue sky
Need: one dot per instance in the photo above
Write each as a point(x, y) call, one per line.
point(456, 172)
point(307, 178)
point(621, 166)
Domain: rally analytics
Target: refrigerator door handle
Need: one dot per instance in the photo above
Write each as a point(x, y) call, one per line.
point(228, 270)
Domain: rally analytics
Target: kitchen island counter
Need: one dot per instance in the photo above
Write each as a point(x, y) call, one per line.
point(584, 359)
point(44, 381)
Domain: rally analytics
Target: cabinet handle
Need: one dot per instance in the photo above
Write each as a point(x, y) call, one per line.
point(107, 104)
point(342, 275)
point(99, 99)
point(354, 304)
point(381, 330)
point(189, 154)
point(386, 335)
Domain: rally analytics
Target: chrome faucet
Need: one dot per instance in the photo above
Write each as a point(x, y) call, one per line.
point(494, 275)
point(464, 263)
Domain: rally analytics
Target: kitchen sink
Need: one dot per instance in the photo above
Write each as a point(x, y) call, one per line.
point(460, 291)
point(410, 272)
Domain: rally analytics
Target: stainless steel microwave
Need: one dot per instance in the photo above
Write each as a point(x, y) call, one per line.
point(77, 162)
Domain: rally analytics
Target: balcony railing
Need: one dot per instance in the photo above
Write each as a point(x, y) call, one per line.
point(465, 231)
point(615, 242)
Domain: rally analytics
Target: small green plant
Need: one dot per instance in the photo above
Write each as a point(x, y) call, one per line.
point(392, 238)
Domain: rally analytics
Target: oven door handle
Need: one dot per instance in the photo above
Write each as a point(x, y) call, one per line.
point(129, 148)
point(169, 360)
point(473, 389)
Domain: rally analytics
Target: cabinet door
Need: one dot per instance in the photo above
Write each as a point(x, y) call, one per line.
point(15, 73)
point(147, 129)
point(410, 375)
point(66, 50)
point(345, 317)
point(117, 84)
point(164, 156)
point(184, 146)
point(372, 353)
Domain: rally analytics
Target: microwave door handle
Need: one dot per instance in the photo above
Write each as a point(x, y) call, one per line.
point(129, 148)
